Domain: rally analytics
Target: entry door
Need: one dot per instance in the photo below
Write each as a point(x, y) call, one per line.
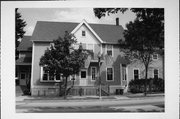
point(83, 78)
point(124, 74)
point(22, 80)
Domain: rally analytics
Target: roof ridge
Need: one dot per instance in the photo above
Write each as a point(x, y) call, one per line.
point(79, 23)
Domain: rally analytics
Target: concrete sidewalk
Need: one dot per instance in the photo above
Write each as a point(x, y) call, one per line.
point(90, 98)
point(68, 103)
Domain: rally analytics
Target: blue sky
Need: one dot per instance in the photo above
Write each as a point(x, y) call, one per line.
point(32, 15)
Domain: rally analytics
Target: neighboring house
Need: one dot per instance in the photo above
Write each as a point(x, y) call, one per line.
point(115, 70)
point(23, 63)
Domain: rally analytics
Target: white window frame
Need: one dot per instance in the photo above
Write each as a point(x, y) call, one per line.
point(41, 78)
point(121, 68)
point(95, 73)
point(153, 56)
point(158, 72)
point(112, 74)
point(112, 49)
point(138, 73)
point(24, 74)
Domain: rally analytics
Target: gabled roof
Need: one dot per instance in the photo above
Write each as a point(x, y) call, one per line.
point(48, 31)
point(25, 44)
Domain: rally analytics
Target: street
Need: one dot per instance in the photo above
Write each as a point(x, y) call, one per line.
point(147, 104)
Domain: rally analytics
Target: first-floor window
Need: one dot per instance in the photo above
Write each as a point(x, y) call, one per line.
point(109, 74)
point(47, 76)
point(83, 74)
point(155, 73)
point(93, 73)
point(136, 74)
point(124, 71)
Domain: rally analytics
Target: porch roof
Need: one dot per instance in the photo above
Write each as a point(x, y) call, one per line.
point(24, 61)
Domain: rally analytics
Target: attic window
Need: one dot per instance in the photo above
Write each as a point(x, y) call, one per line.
point(83, 33)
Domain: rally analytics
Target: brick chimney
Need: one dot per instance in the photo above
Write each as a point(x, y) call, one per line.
point(117, 21)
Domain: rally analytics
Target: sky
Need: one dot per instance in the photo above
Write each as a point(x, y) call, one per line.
point(32, 15)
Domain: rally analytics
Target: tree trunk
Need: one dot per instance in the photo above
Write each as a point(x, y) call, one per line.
point(145, 86)
point(65, 88)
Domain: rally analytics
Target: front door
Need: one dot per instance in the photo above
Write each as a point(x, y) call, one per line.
point(23, 77)
point(83, 78)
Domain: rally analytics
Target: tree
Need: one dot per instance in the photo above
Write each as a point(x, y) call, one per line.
point(62, 58)
point(143, 36)
point(19, 31)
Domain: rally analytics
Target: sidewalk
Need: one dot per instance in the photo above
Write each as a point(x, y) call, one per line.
point(90, 98)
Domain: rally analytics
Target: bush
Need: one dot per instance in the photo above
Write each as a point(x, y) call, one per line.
point(153, 85)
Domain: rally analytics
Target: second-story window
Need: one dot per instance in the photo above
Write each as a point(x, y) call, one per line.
point(110, 50)
point(83, 33)
point(90, 47)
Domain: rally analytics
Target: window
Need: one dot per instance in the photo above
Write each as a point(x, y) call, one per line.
point(72, 76)
point(109, 74)
point(76, 46)
point(136, 74)
point(83, 33)
point(109, 50)
point(47, 76)
point(23, 76)
point(155, 56)
point(123, 71)
point(90, 47)
point(83, 74)
point(93, 73)
point(155, 73)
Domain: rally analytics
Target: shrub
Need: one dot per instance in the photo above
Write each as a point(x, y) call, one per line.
point(153, 85)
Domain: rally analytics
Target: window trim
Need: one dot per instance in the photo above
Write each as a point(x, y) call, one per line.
point(112, 74)
point(41, 78)
point(111, 48)
point(121, 67)
point(138, 73)
point(95, 73)
point(153, 56)
point(158, 72)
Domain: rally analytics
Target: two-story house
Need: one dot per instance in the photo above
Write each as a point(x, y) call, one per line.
point(115, 70)
point(23, 63)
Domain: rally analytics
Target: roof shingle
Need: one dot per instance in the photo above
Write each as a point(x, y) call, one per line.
point(25, 44)
point(48, 31)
